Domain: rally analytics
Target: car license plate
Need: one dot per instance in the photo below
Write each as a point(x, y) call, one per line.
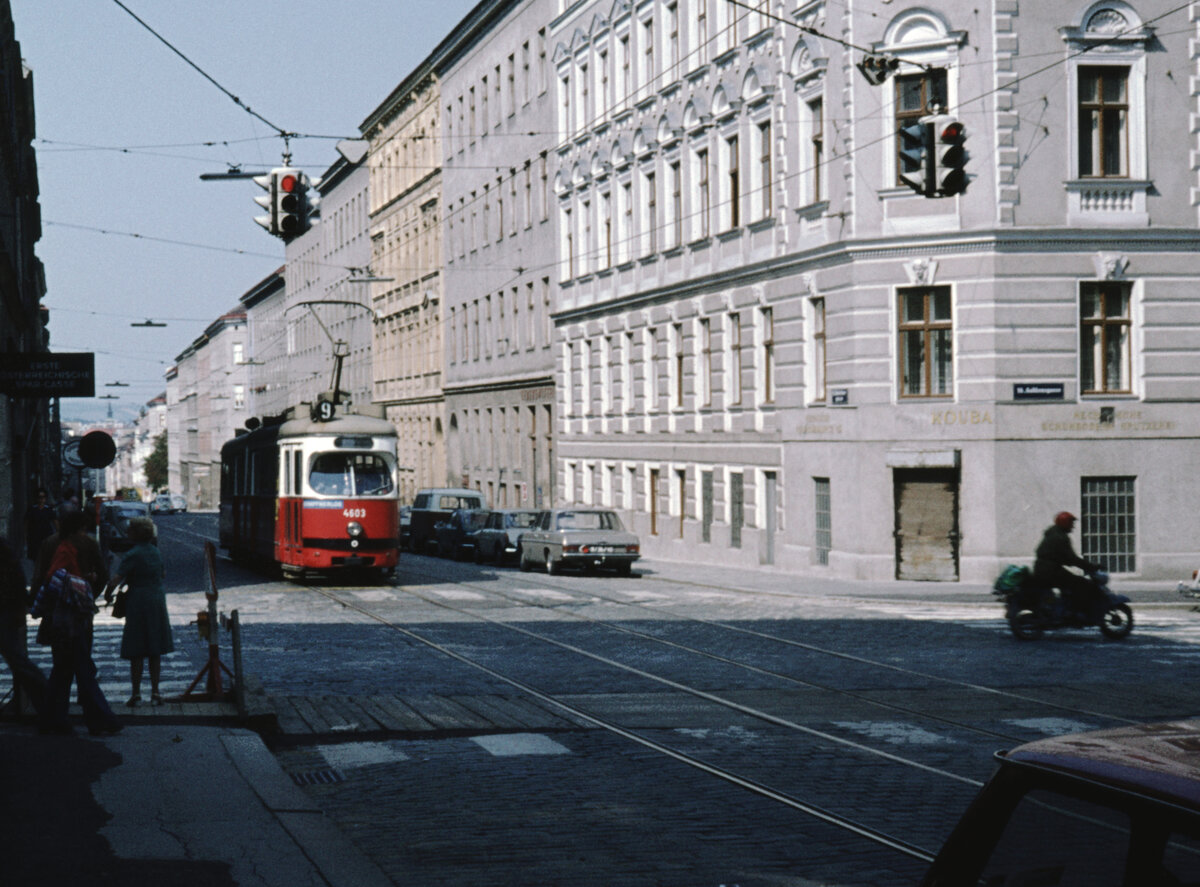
point(602, 549)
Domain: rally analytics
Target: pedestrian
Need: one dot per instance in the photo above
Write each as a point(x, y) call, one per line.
point(147, 633)
point(14, 603)
point(69, 503)
point(40, 522)
point(73, 550)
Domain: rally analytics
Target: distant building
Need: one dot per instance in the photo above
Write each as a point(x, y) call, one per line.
point(209, 381)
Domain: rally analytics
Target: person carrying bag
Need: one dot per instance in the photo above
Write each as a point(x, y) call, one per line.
point(70, 569)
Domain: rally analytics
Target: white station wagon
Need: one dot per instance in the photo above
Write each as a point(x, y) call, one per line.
point(584, 538)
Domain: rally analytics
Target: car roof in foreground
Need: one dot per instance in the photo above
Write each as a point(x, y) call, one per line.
point(1160, 760)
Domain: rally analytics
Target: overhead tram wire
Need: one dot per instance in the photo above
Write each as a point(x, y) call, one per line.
point(280, 131)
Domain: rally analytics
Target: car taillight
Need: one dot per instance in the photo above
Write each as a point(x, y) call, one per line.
point(632, 549)
point(572, 549)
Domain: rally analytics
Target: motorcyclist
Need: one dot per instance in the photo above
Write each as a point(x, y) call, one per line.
point(1054, 554)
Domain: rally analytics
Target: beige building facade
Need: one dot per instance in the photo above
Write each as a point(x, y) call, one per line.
point(405, 219)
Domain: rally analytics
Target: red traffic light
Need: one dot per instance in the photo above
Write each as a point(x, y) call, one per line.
point(953, 132)
point(288, 182)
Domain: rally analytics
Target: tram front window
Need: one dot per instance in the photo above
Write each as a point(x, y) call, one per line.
point(350, 474)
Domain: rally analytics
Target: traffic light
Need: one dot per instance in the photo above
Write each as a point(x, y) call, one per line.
point(949, 156)
point(267, 202)
point(877, 68)
point(289, 201)
point(310, 204)
point(916, 155)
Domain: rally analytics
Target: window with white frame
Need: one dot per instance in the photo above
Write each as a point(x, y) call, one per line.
point(606, 375)
point(733, 185)
point(816, 314)
point(1106, 340)
point(1108, 89)
point(606, 230)
point(650, 363)
point(1103, 121)
point(917, 95)
point(704, 361)
point(675, 370)
point(649, 213)
point(704, 194)
point(733, 357)
point(568, 358)
point(815, 168)
point(700, 46)
point(766, 355)
point(625, 215)
point(761, 189)
point(585, 377)
point(926, 336)
point(648, 74)
point(627, 373)
point(675, 186)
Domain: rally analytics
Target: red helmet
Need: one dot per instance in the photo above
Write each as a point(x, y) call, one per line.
point(1065, 520)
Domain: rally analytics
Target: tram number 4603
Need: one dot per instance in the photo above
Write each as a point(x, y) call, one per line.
point(354, 512)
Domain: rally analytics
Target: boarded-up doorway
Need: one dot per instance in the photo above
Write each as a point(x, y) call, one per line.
point(927, 524)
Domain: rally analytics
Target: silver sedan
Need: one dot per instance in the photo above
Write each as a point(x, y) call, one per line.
point(584, 538)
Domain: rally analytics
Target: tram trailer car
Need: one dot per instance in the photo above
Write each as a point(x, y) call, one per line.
point(312, 495)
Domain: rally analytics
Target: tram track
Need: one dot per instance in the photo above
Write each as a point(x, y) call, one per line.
point(725, 774)
point(592, 595)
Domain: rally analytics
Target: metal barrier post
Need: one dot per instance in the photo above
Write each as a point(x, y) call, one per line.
point(209, 628)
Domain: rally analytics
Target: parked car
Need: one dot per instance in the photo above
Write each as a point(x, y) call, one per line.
point(497, 541)
point(433, 505)
point(1117, 806)
point(161, 505)
point(178, 504)
point(115, 516)
point(405, 522)
point(578, 537)
point(456, 534)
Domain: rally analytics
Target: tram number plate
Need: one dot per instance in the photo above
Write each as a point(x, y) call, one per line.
point(354, 512)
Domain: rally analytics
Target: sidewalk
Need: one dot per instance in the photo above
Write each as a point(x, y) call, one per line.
point(188, 806)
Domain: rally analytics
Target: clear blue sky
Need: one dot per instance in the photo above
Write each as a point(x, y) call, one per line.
point(125, 128)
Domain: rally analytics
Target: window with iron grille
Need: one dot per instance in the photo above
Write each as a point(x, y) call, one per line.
point(823, 541)
point(1108, 534)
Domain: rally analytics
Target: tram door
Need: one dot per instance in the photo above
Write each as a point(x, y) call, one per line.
point(927, 524)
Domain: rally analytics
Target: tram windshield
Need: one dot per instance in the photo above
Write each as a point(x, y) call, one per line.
point(350, 474)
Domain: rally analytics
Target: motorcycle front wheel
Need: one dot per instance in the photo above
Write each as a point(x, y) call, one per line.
point(1025, 625)
point(1117, 622)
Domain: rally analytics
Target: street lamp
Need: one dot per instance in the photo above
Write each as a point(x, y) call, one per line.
point(148, 322)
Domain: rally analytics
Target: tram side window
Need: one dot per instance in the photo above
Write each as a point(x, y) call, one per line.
point(350, 474)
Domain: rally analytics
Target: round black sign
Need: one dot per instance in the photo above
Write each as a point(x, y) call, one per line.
point(97, 450)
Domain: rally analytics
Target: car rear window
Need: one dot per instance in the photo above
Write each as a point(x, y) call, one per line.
point(588, 520)
point(452, 502)
point(521, 520)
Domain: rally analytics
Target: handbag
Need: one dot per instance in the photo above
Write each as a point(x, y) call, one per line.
point(118, 604)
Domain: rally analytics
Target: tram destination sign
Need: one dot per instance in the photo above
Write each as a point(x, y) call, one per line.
point(1038, 391)
point(48, 375)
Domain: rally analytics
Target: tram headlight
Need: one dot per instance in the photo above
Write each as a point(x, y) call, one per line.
point(354, 530)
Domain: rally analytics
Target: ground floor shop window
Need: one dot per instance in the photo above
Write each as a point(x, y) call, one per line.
point(1108, 534)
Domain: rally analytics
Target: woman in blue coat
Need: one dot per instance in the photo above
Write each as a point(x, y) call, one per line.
point(147, 633)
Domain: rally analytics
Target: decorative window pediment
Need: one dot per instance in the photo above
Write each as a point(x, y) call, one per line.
point(1108, 26)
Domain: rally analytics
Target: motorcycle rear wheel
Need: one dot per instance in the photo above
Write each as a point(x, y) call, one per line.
point(1117, 622)
point(1025, 625)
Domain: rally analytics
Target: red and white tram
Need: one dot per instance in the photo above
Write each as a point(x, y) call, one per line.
point(312, 495)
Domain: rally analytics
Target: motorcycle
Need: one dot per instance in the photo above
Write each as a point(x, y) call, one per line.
point(1032, 609)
